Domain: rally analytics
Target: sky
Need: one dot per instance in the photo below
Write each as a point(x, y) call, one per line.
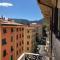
point(20, 9)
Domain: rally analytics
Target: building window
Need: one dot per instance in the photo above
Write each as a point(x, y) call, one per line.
point(28, 36)
point(17, 37)
point(4, 41)
point(17, 44)
point(27, 31)
point(4, 53)
point(11, 38)
point(11, 57)
point(59, 19)
point(11, 48)
point(17, 52)
point(27, 48)
point(4, 30)
point(22, 29)
point(27, 42)
point(17, 29)
point(11, 29)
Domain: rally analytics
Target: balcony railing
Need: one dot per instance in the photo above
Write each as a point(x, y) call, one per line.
point(32, 56)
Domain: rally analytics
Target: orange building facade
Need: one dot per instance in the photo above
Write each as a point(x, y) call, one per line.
point(11, 40)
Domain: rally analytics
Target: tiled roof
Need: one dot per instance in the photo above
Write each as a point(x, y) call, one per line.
point(9, 22)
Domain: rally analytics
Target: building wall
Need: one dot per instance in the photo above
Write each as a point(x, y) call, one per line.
point(29, 36)
point(7, 46)
point(59, 19)
point(58, 4)
point(39, 31)
point(56, 48)
point(17, 37)
point(14, 39)
point(38, 28)
point(19, 42)
point(56, 41)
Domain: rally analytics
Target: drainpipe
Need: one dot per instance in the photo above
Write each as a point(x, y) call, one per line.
point(51, 27)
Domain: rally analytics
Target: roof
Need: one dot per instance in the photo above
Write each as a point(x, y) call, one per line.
point(10, 23)
point(6, 22)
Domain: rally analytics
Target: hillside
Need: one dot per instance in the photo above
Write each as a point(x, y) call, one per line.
point(25, 21)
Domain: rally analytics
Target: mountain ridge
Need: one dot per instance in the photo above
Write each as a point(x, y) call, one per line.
point(25, 21)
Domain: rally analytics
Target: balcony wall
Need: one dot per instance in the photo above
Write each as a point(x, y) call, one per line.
point(56, 48)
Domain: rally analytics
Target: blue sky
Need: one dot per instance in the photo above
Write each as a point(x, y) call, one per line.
point(22, 9)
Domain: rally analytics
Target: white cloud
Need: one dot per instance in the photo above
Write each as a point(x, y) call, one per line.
point(5, 4)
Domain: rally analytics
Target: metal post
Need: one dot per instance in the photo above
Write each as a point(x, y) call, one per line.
point(52, 28)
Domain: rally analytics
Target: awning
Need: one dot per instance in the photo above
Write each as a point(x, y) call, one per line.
point(46, 7)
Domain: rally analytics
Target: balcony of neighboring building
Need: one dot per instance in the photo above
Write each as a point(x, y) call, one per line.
point(32, 56)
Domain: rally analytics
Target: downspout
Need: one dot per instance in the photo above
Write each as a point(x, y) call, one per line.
point(52, 26)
